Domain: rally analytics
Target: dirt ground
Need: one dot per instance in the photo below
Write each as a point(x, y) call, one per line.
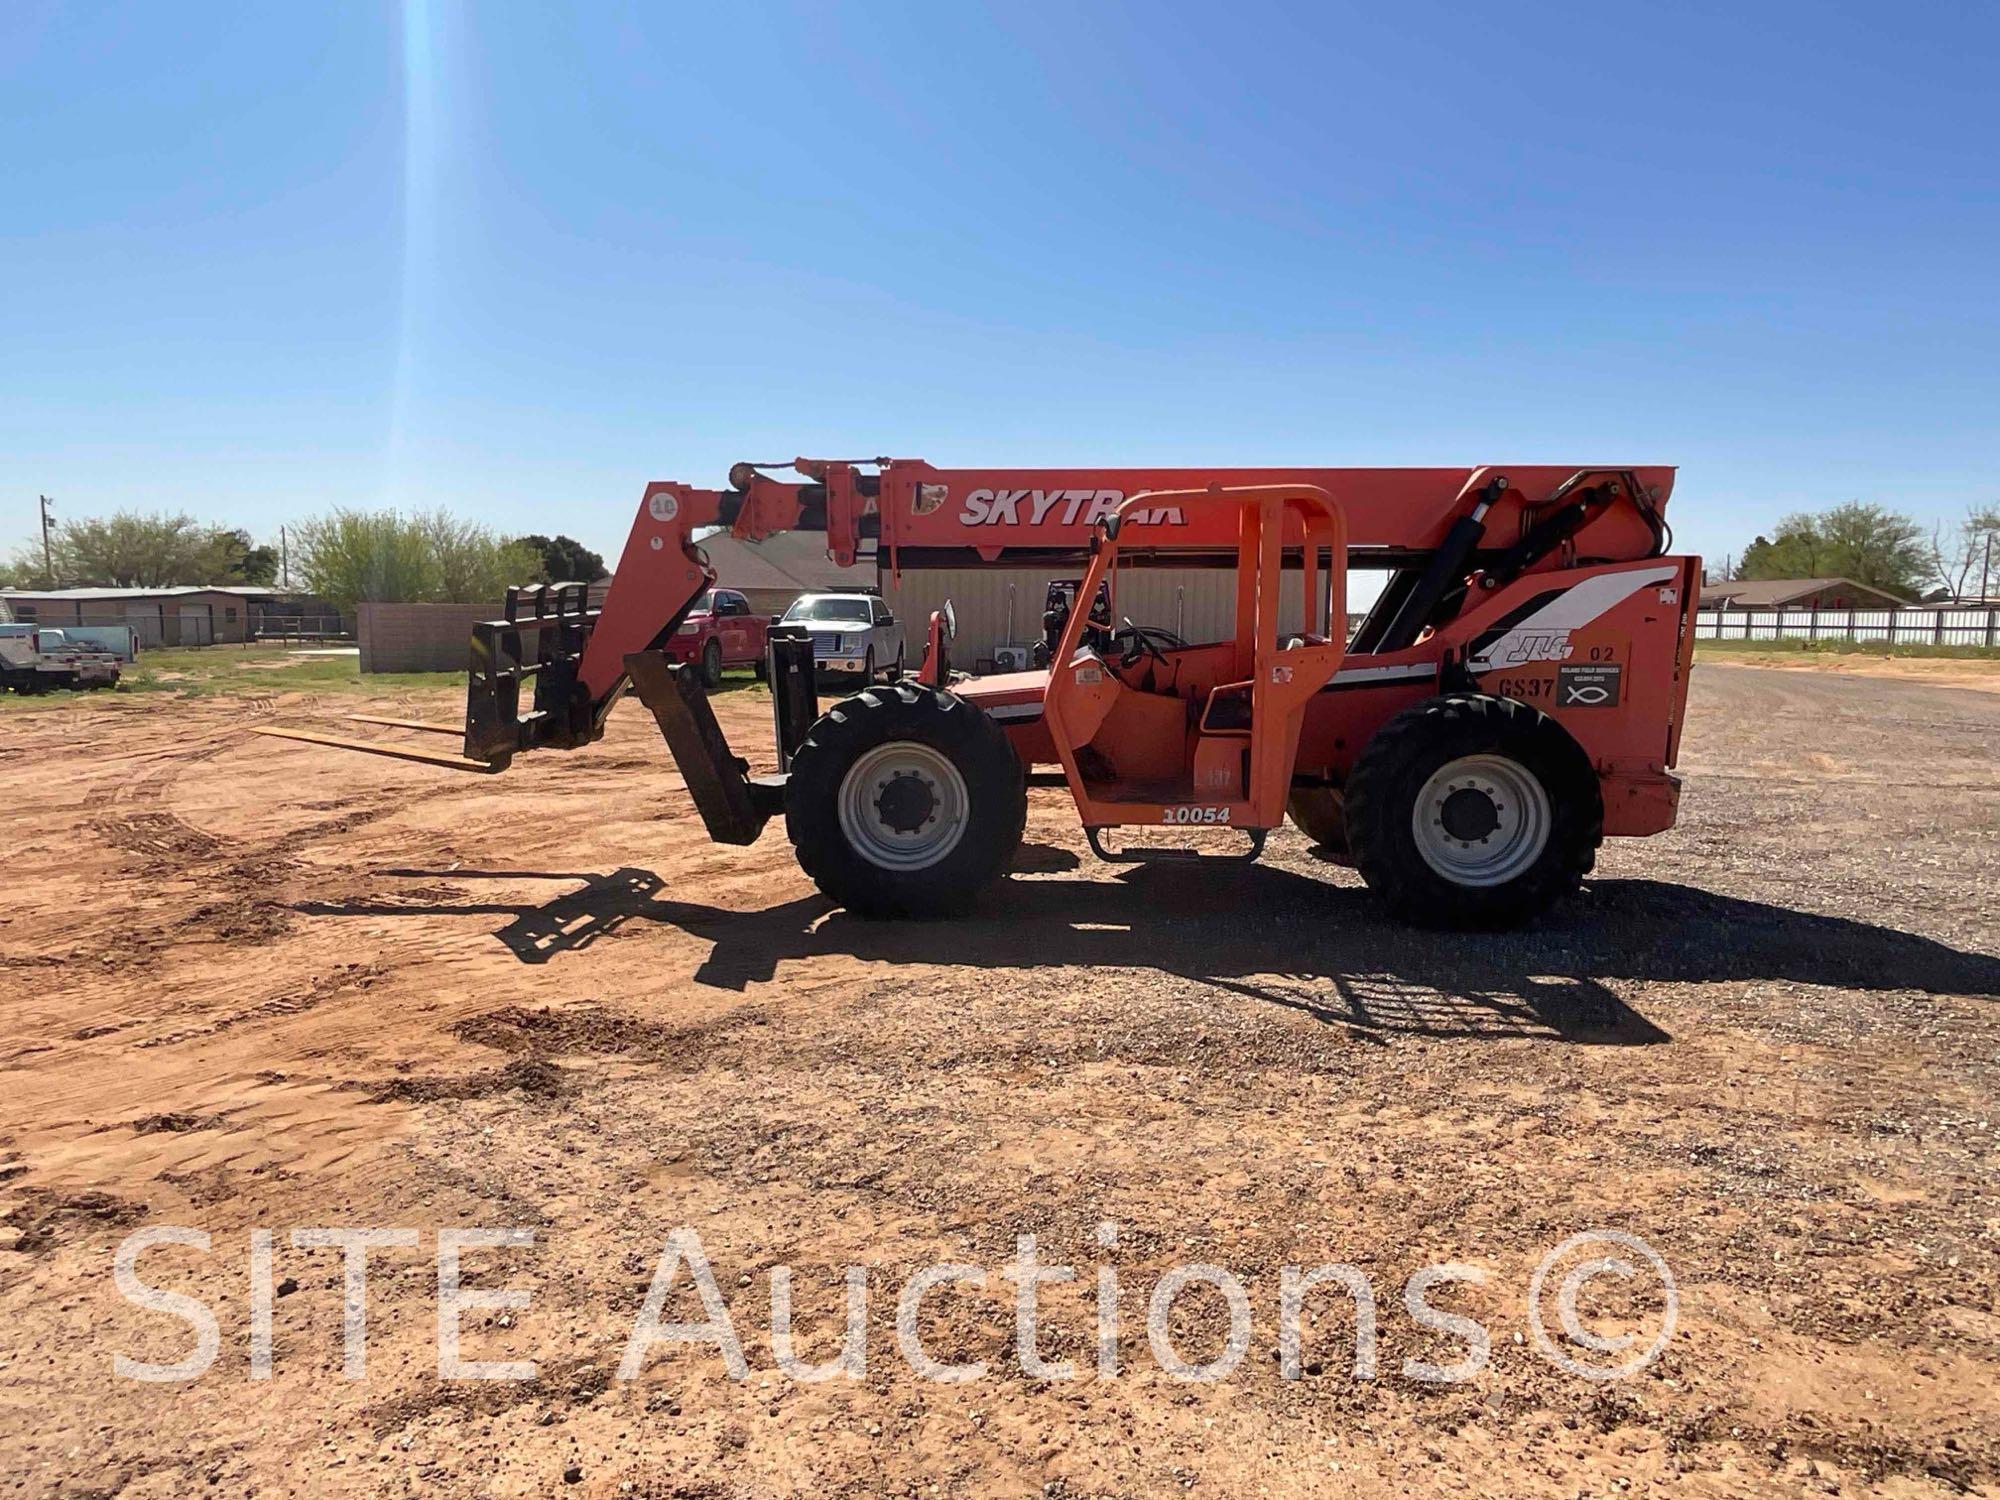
point(251, 984)
point(1981, 673)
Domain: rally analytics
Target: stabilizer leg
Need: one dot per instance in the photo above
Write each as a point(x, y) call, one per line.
point(732, 804)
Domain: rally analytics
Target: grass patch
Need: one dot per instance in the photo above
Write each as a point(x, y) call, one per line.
point(236, 670)
point(239, 671)
point(1845, 648)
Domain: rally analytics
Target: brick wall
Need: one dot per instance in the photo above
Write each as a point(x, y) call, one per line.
point(418, 637)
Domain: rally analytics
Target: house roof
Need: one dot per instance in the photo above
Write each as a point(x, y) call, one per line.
point(788, 560)
point(52, 596)
point(1772, 593)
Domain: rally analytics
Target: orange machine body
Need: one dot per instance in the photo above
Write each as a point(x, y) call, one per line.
point(924, 514)
point(1618, 684)
point(1596, 631)
point(1403, 742)
point(1217, 733)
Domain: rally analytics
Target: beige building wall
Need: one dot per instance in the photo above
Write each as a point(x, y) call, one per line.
point(1197, 604)
point(418, 637)
point(765, 603)
point(197, 619)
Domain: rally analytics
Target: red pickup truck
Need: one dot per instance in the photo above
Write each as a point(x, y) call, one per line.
point(720, 631)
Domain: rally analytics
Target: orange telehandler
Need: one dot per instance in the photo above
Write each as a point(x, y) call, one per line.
point(1515, 694)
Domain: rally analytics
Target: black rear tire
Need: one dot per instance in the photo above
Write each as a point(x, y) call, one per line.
point(711, 664)
point(1418, 745)
point(937, 728)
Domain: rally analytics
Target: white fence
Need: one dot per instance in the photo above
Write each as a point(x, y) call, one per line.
point(1900, 627)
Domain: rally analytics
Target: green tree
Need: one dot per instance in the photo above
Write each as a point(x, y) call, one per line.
point(1965, 556)
point(131, 549)
point(1796, 550)
point(235, 558)
point(23, 571)
point(352, 555)
point(565, 560)
point(473, 565)
point(431, 557)
point(1867, 543)
point(245, 562)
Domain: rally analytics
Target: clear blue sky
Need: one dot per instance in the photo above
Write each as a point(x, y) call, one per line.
point(260, 259)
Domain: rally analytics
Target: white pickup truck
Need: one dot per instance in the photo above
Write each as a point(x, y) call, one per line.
point(852, 634)
point(41, 659)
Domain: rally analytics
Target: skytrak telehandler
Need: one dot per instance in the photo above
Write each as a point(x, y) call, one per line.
point(1515, 694)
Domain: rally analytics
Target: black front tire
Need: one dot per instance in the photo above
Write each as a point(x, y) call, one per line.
point(1381, 800)
point(711, 664)
point(996, 801)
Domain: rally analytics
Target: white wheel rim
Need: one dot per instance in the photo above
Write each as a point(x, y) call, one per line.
point(1481, 820)
point(903, 806)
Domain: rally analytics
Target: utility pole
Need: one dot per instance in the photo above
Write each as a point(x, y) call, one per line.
point(48, 565)
point(284, 561)
point(1986, 570)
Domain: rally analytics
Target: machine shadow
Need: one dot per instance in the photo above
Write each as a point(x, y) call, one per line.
point(1276, 937)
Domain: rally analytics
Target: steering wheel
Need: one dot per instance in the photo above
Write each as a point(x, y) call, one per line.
point(1139, 642)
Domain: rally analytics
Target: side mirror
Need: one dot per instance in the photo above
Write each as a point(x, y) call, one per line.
point(950, 621)
point(888, 619)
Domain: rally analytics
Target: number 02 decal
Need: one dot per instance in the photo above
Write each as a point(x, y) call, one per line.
point(1194, 815)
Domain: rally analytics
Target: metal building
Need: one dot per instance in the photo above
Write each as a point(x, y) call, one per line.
point(178, 616)
point(1003, 606)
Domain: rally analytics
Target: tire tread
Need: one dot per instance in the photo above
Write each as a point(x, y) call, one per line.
point(1379, 793)
point(994, 784)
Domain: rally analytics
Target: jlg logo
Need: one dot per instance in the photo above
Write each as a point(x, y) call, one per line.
point(1063, 507)
point(1530, 645)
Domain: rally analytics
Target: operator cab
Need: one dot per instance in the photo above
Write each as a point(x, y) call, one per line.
point(1159, 731)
